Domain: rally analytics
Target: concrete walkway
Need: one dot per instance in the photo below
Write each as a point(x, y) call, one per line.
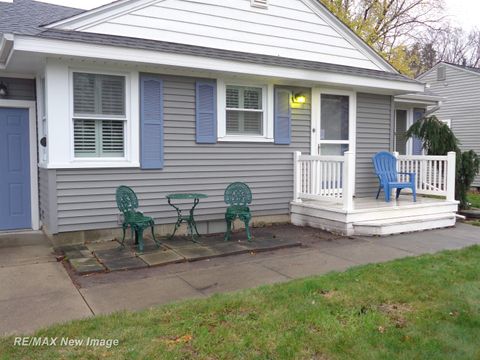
point(36, 290)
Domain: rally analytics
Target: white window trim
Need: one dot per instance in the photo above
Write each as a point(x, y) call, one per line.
point(317, 92)
point(86, 162)
point(268, 103)
point(448, 122)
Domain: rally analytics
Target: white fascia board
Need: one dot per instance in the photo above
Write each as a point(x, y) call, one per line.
point(51, 47)
point(6, 47)
point(100, 14)
point(419, 98)
point(350, 35)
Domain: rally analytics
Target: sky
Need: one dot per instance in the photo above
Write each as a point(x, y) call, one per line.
point(464, 13)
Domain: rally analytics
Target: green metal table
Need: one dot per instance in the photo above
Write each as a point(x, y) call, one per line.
point(189, 219)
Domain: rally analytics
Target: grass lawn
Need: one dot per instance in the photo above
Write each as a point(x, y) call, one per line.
point(474, 198)
point(415, 308)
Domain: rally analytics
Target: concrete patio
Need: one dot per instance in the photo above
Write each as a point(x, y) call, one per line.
point(37, 290)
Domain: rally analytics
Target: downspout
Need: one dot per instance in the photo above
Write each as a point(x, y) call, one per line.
point(6, 50)
point(434, 109)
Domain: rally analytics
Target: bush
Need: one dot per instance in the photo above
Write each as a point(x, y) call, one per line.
point(439, 139)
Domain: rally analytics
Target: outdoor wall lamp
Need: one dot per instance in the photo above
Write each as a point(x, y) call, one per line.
point(299, 99)
point(3, 90)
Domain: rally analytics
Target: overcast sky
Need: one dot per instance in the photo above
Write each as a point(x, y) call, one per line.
point(463, 13)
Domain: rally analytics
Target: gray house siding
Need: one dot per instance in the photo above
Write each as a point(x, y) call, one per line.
point(19, 89)
point(374, 131)
point(86, 198)
point(47, 190)
point(461, 91)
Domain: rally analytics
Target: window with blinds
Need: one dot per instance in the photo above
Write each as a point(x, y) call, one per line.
point(99, 115)
point(244, 112)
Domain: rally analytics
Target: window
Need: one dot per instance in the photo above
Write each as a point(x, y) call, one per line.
point(401, 125)
point(244, 110)
point(334, 124)
point(447, 122)
point(99, 115)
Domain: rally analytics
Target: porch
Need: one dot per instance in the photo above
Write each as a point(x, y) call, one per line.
point(324, 196)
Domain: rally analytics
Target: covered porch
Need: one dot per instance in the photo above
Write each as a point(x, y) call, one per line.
point(324, 196)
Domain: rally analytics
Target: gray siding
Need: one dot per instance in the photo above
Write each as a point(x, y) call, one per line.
point(43, 196)
point(86, 198)
point(374, 131)
point(20, 89)
point(47, 190)
point(461, 91)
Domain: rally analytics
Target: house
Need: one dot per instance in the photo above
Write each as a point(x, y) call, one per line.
point(178, 96)
point(459, 85)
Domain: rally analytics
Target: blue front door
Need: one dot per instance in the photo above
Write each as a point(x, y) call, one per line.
point(15, 202)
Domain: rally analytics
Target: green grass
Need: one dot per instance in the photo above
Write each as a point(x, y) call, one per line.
point(474, 199)
point(415, 308)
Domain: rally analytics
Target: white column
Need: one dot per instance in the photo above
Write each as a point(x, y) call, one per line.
point(451, 172)
point(348, 180)
point(297, 176)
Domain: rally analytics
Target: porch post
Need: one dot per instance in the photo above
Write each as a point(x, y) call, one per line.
point(348, 180)
point(297, 176)
point(451, 172)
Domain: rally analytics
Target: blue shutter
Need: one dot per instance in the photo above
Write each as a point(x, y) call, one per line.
point(417, 143)
point(283, 117)
point(151, 122)
point(206, 112)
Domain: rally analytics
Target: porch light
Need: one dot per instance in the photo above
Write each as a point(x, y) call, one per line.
point(3, 90)
point(299, 99)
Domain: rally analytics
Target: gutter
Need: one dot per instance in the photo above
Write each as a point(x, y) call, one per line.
point(6, 49)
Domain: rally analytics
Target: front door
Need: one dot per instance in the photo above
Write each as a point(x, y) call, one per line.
point(334, 124)
point(15, 201)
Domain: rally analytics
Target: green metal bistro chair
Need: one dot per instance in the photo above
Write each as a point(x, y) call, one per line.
point(127, 203)
point(238, 196)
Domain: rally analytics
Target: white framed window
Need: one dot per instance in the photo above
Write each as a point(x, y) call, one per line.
point(333, 121)
point(448, 122)
point(245, 112)
point(99, 103)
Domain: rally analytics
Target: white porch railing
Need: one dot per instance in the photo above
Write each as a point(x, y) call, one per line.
point(435, 175)
point(325, 177)
point(333, 177)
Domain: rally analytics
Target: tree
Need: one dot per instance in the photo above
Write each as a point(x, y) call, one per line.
point(439, 139)
point(388, 25)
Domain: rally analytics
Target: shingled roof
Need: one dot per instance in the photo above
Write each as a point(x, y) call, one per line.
point(175, 48)
point(26, 16)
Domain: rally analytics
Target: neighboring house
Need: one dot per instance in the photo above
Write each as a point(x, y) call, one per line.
point(460, 86)
point(176, 96)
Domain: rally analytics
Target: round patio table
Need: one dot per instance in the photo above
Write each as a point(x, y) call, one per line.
point(189, 219)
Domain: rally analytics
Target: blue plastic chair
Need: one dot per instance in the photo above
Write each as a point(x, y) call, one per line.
point(386, 170)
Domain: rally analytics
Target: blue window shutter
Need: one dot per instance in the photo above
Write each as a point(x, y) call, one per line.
point(417, 143)
point(206, 112)
point(283, 117)
point(151, 122)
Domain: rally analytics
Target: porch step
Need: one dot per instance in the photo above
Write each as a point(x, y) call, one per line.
point(404, 224)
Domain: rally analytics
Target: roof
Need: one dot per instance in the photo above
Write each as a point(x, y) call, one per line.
point(464, 67)
point(175, 48)
point(26, 16)
point(469, 69)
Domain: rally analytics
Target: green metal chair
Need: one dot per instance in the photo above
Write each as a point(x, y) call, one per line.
point(238, 196)
point(127, 203)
